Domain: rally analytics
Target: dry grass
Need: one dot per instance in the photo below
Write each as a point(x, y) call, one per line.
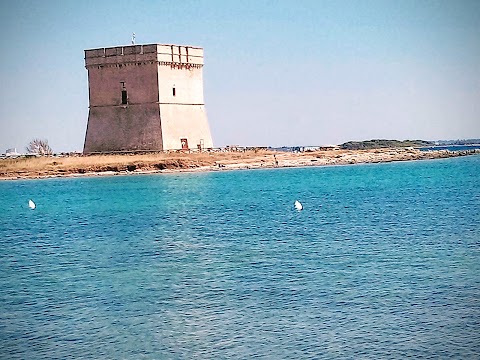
point(61, 166)
point(98, 163)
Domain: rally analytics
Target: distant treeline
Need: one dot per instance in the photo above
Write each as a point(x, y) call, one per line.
point(381, 143)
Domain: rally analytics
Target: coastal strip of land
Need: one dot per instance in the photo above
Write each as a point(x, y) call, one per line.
point(93, 165)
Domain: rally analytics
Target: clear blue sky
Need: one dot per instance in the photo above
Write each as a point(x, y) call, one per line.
point(277, 72)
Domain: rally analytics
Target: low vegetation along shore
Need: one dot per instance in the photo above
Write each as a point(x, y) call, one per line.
point(44, 167)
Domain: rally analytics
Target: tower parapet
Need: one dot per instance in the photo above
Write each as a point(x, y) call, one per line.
point(138, 54)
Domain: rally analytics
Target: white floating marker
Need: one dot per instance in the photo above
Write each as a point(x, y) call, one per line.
point(31, 204)
point(298, 205)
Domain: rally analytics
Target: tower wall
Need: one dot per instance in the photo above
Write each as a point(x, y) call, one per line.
point(119, 128)
point(146, 97)
point(185, 122)
point(182, 111)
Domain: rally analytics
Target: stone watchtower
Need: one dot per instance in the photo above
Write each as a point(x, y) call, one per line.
point(146, 97)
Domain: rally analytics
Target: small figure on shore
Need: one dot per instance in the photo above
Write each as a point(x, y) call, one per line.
point(276, 161)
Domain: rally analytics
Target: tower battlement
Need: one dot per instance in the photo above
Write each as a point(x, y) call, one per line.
point(162, 54)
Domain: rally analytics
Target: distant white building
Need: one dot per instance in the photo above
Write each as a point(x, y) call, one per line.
point(309, 148)
point(12, 152)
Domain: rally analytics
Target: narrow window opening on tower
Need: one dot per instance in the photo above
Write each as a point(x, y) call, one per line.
point(124, 93)
point(173, 91)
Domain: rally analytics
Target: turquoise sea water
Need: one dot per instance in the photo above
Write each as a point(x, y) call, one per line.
point(382, 263)
point(451, 147)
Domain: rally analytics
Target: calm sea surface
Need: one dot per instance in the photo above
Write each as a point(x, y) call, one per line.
point(382, 263)
point(451, 147)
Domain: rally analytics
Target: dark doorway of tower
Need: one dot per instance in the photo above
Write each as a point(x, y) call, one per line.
point(184, 143)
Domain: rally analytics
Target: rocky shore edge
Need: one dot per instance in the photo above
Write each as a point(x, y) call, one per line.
point(128, 165)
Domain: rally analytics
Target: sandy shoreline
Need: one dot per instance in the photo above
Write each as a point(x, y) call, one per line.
point(108, 165)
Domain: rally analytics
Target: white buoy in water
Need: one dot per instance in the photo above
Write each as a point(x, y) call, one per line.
point(31, 204)
point(298, 205)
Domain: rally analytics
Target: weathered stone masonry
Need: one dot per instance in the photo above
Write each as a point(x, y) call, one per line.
point(146, 97)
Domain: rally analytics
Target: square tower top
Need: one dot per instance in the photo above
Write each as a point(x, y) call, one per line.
point(161, 53)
